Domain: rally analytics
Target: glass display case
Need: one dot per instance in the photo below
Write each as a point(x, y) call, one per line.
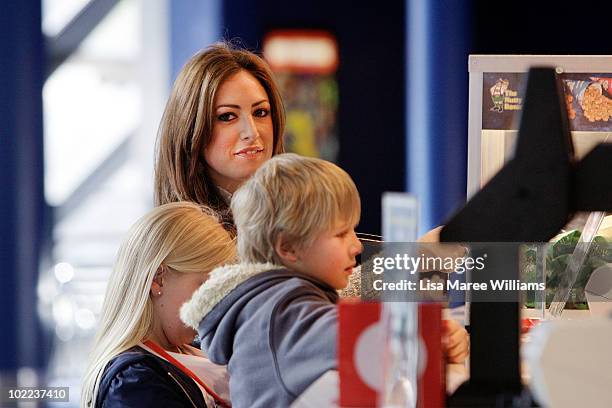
point(496, 92)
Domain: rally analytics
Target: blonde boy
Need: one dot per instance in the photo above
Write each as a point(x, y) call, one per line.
point(272, 318)
point(300, 212)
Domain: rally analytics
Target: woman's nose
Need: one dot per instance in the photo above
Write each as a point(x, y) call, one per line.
point(248, 129)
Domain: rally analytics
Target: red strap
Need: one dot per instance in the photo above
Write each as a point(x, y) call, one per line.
point(155, 347)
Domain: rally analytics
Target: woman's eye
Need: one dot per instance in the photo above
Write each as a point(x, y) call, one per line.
point(261, 113)
point(226, 117)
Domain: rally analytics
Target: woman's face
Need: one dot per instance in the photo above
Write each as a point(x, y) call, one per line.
point(243, 135)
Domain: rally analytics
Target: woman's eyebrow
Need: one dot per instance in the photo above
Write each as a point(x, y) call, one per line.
point(259, 103)
point(228, 105)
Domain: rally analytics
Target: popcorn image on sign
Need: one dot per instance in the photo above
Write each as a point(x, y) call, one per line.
point(591, 96)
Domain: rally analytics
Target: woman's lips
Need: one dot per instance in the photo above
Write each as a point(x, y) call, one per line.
point(249, 152)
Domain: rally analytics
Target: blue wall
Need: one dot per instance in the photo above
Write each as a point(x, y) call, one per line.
point(437, 43)
point(194, 24)
point(22, 204)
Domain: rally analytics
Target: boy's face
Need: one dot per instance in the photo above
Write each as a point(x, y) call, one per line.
point(331, 257)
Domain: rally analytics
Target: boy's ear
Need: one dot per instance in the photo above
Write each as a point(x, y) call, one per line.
point(285, 250)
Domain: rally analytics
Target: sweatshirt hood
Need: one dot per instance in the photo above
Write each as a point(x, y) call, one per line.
point(221, 282)
point(215, 308)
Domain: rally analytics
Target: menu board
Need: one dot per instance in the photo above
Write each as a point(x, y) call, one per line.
point(588, 98)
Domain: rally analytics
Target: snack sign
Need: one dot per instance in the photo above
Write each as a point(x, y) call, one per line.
point(588, 99)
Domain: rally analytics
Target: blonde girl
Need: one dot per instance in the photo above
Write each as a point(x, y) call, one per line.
point(165, 257)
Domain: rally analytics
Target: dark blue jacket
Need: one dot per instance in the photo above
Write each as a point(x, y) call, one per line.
point(137, 378)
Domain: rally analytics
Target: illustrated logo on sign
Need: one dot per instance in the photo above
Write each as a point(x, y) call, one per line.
point(503, 97)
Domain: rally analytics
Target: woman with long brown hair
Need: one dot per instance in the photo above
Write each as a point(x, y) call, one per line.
point(224, 118)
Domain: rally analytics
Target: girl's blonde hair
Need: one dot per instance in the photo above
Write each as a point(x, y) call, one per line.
point(183, 236)
point(293, 196)
point(181, 173)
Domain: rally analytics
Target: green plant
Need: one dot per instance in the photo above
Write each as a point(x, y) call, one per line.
point(557, 258)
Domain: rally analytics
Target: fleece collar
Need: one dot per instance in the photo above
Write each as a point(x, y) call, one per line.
point(220, 283)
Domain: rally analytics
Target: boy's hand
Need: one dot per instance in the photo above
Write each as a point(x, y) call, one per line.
point(455, 342)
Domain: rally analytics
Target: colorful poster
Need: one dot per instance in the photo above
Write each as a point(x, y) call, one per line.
point(588, 98)
point(311, 104)
point(305, 64)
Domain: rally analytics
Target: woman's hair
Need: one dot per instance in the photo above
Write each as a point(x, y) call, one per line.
point(181, 172)
point(294, 197)
point(183, 236)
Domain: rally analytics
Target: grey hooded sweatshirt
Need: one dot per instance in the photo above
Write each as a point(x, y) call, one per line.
point(275, 329)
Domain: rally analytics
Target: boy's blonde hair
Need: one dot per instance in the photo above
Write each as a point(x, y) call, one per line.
point(183, 236)
point(294, 198)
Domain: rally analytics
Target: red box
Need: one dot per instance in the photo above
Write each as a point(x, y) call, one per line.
point(360, 355)
point(432, 380)
point(355, 318)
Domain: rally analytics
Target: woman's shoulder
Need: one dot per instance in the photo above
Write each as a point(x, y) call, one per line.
point(140, 379)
